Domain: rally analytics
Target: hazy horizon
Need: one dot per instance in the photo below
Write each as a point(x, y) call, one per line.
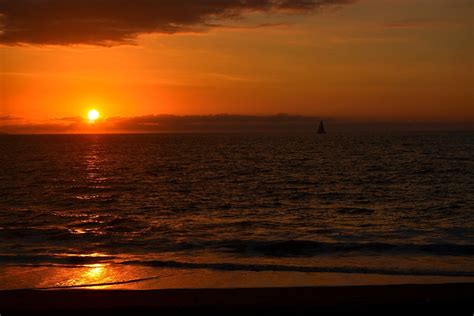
point(165, 123)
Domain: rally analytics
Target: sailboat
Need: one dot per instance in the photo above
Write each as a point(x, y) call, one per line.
point(321, 129)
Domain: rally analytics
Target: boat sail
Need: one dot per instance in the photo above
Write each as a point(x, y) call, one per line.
point(321, 129)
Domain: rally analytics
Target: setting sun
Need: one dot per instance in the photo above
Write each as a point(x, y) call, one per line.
point(93, 115)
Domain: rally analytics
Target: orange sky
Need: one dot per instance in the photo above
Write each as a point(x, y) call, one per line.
point(375, 59)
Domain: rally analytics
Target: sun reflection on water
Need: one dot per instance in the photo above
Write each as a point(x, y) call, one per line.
point(94, 274)
point(94, 179)
point(91, 275)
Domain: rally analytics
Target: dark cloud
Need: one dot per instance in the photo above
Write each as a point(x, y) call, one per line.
point(14, 125)
point(166, 123)
point(110, 22)
point(211, 123)
point(223, 123)
point(4, 118)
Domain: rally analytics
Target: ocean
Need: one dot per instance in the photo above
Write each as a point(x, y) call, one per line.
point(386, 204)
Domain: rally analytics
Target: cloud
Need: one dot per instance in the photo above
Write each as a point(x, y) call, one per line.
point(221, 123)
point(419, 24)
point(165, 123)
point(8, 118)
point(112, 22)
point(18, 125)
point(212, 123)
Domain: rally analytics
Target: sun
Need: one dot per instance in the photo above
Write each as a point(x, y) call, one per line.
point(93, 115)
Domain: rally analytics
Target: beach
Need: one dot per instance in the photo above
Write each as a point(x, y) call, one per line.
point(387, 299)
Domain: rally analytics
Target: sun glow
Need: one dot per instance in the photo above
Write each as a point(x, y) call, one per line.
point(93, 115)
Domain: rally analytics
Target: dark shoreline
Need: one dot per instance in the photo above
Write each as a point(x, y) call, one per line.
point(387, 299)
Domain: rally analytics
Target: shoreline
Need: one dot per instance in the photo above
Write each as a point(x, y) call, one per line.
point(284, 300)
point(119, 277)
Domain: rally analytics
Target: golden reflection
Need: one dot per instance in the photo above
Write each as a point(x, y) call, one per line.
point(91, 275)
point(94, 254)
point(93, 162)
point(94, 274)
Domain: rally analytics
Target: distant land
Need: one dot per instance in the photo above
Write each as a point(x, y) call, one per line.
point(226, 123)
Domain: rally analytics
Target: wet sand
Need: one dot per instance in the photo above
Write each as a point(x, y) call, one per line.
point(386, 299)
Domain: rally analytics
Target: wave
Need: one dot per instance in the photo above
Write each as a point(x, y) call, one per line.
point(239, 248)
point(52, 260)
point(308, 248)
point(355, 211)
point(289, 268)
point(229, 267)
point(91, 284)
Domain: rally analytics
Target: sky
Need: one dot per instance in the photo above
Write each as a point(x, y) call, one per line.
point(379, 60)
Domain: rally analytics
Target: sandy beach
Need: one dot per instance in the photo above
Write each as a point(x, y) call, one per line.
point(388, 299)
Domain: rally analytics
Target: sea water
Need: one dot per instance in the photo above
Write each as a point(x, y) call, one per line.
point(399, 204)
